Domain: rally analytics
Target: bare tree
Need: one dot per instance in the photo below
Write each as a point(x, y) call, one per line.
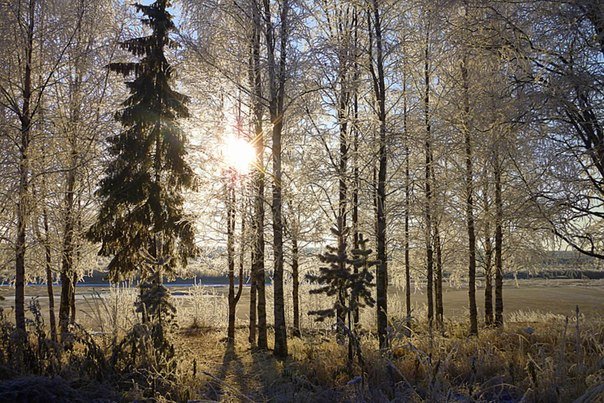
point(376, 67)
point(469, 187)
point(277, 47)
point(23, 98)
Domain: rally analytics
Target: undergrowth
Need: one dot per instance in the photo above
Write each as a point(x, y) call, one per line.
point(550, 361)
point(533, 358)
point(555, 360)
point(84, 366)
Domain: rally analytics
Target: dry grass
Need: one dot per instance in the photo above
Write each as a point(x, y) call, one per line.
point(538, 356)
point(551, 360)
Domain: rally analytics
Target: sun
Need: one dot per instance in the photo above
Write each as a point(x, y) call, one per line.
point(238, 154)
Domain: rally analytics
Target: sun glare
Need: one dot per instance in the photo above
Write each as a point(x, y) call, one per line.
point(238, 154)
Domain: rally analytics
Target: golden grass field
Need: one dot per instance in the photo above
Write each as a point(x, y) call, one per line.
point(549, 297)
point(544, 353)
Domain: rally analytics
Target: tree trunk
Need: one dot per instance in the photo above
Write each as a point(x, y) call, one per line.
point(296, 284)
point(231, 259)
point(67, 269)
point(65, 303)
point(253, 306)
point(21, 228)
point(25, 117)
point(355, 198)
point(355, 209)
point(280, 349)
point(498, 242)
point(407, 197)
point(67, 309)
point(276, 73)
point(49, 288)
point(488, 264)
point(438, 284)
point(427, 178)
point(437, 245)
point(258, 277)
point(44, 239)
point(488, 287)
point(355, 170)
point(469, 199)
point(234, 298)
point(342, 191)
point(72, 303)
point(258, 261)
point(379, 85)
point(244, 211)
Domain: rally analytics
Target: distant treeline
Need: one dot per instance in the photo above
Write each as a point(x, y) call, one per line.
point(98, 277)
point(543, 274)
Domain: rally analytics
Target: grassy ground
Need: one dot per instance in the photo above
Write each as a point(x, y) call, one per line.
point(553, 361)
point(545, 352)
point(549, 297)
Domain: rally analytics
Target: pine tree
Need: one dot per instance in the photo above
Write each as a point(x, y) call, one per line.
point(142, 223)
point(350, 281)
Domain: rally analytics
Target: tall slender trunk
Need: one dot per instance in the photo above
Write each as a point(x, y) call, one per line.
point(488, 288)
point(469, 198)
point(498, 241)
point(65, 302)
point(45, 222)
point(438, 283)
point(253, 306)
point(296, 283)
point(231, 216)
point(488, 263)
point(258, 302)
point(25, 116)
point(276, 73)
point(72, 303)
point(407, 194)
point(258, 259)
point(49, 279)
point(67, 308)
point(437, 245)
point(355, 144)
point(67, 268)
point(280, 349)
point(342, 189)
point(235, 297)
point(379, 86)
point(427, 178)
point(244, 211)
point(355, 195)
point(45, 239)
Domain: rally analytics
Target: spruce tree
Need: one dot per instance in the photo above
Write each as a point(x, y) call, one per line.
point(349, 280)
point(142, 224)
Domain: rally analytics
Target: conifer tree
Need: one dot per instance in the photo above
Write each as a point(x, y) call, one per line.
point(142, 224)
point(350, 281)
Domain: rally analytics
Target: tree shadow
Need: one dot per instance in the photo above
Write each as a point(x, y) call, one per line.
point(250, 374)
point(219, 384)
point(265, 368)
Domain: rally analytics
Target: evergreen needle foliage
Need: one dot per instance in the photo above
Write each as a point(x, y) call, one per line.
point(141, 222)
point(350, 281)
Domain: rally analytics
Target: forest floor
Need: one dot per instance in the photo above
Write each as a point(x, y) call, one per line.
point(537, 361)
point(545, 352)
point(557, 297)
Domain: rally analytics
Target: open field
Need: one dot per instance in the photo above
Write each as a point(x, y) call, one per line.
point(544, 352)
point(548, 297)
point(498, 366)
